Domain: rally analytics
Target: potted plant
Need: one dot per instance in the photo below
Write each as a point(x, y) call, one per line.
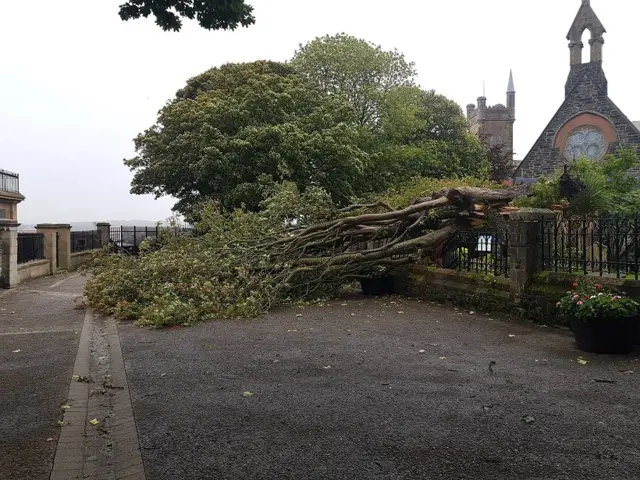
point(375, 280)
point(602, 322)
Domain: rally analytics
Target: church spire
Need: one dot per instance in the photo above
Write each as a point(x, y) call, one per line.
point(511, 87)
point(511, 96)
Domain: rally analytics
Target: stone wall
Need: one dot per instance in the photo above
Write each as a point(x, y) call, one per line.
point(79, 259)
point(470, 290)
point(487, 293)
point(35, 269)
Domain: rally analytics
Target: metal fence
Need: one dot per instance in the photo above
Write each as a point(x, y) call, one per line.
point(478, 252)
point(30, 247)
point(83, 241)
point(9, 181)
point(604, 246)
point(130, 238)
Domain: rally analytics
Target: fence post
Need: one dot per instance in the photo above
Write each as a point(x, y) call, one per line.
point(525, 247)
point(56, 250)
point(103, 233)
point(9, 253)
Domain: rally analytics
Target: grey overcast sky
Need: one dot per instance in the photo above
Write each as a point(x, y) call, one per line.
point(77, 84)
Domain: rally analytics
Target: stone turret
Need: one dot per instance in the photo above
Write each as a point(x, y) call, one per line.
point(494, 124)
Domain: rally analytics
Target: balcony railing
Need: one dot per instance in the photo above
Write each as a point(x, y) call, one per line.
point(9, 181)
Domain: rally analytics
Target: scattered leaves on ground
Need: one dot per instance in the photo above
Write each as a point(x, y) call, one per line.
point(528, 419)
point(421, 351)
point(95, 421)
point(581, 361)
point(16, 351)
point(66, 406)
point(247, 394)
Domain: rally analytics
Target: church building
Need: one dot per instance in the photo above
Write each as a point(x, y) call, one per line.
point(588, 123)
point(494, 124)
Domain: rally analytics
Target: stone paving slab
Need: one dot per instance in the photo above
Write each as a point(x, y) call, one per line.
point(34, 381)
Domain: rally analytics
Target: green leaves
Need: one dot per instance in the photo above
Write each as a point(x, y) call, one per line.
point(211, 14)
point(609, 187)
point(234, 130)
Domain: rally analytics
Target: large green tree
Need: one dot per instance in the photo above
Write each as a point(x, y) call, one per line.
point(423, 134)
point(359, 70)
point(408, 132)
point(210, 14)
point(234, 132)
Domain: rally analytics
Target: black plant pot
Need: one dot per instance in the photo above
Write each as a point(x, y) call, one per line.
point(606, 336)
point(376, 286)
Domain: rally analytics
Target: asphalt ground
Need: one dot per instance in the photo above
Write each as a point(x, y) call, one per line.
point(39, 334)
point(380, 389)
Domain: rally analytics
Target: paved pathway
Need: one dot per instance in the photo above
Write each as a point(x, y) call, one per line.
point(66, 409)
point(387, 389)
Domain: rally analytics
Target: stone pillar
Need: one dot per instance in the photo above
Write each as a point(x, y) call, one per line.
point(104, 232)
point(8, 253)
point(525, 243)
point(57, 244)
point(596, 48)
point(576, 52)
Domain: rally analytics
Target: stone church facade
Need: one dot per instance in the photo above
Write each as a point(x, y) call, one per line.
point(588, 123)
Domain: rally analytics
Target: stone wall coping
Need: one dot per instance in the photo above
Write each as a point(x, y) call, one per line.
point(11, 197)
point(32, 263)
point(86, 252)
point(532, 214)
point(103, 224)
point(7, 222)
point(53, 226)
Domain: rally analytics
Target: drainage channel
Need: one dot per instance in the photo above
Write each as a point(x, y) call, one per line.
point(99, 437)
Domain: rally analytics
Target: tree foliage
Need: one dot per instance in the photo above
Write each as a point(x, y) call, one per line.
point(236, 131)
point(357, 69)
point(297, 246)
point(609, 187)
point(344, 115)
point(210, 14)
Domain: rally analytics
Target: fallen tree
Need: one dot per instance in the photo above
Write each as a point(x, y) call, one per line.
point(247, 263)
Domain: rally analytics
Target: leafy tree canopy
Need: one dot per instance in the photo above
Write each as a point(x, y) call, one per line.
point(210, 14)
point(234, 132)
point(362, 72)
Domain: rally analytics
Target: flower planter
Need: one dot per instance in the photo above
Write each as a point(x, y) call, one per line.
point(376, 286)
point(606, 336)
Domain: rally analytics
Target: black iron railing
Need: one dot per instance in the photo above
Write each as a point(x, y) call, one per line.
point(477, 252)
point(604, 246)
point(30, 247)
point(130, 238)
point(83, 241)
point(9, 181)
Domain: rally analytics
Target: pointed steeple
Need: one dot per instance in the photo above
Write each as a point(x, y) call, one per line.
point(511, 96)
point(511, 87)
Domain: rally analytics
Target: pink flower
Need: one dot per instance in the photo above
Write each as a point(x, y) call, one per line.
point(598, 285)
point(580, 302)
point(575, 284)
point(558, 304)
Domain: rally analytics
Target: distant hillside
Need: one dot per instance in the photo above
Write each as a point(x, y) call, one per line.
point(80, 226)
